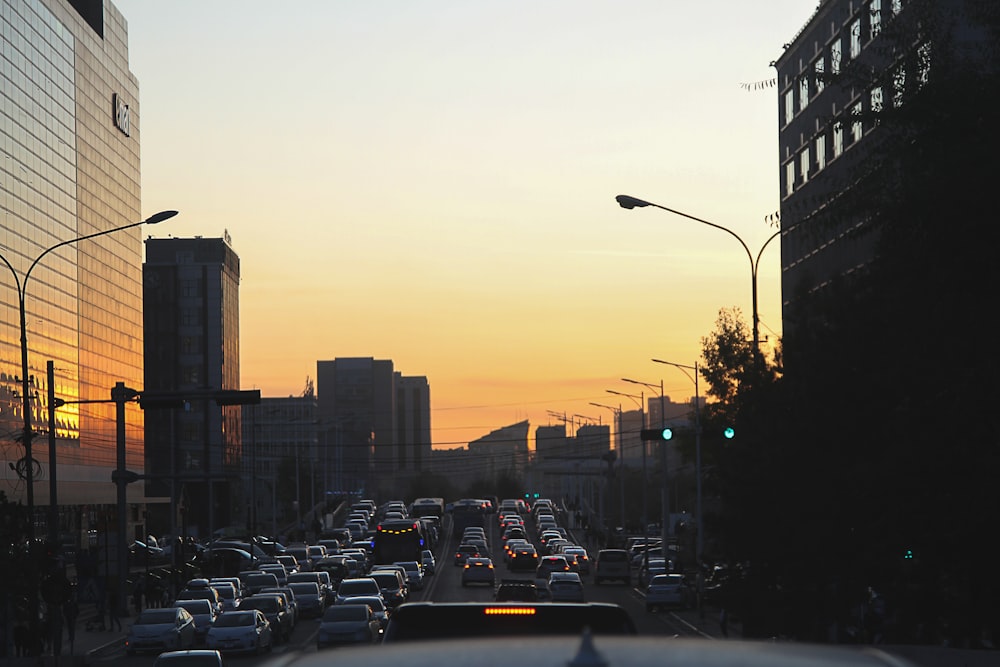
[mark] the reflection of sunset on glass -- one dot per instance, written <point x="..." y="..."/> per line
<point x="434" y="183"/>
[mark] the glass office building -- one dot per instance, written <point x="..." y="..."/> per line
<point x="69" y="167"/>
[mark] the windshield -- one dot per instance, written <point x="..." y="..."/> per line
<point x="233" y="619"/>
<point x="156" y="617"/>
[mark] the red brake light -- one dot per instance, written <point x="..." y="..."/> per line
<point x="509" y="611"/>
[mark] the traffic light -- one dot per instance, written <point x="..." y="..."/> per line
<point x="729" y="433"/>
<point x="665" y="433"/>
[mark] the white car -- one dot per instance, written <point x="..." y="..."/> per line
<point x="164" y="629"/>
<point x="666" y="590"/>
<point x="241" y="631"/>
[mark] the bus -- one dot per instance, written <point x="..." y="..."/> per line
<point x="422" y="507"/>
<point x="467" y="512"/>
<point x="398" y="540"/>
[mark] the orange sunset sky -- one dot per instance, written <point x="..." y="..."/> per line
<point x="433" y="182"/>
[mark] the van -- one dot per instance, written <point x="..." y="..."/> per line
<point x="613" y="564"/>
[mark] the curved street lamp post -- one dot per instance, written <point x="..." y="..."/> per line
<point x="628" y="202"/>
<point x="21" y="283"/>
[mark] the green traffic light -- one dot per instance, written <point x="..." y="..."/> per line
<point x="667" y="433"/>
<point x="729" y="433"/>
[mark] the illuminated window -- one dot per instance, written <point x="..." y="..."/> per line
<point x="855" y="39"/>
<point x="838" y="139"/>
<point x="876" y="99"/>
<point x="790" y="177"/>
<point x="821" y="151"/>
<point x="856" y="126"/>
<point x="875" y="9"/>
<point x="789" y="105"/>
<point x="818" y="67"/>
<point x="898" y="86"/>
<point x="803" y="92"/>
<point x="804" y="164"/>
<point x="835" y="56"/>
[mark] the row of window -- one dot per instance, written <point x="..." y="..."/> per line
<point x="828" y="145"/>
<point x="812" y="81"/>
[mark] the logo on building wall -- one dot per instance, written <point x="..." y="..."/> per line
<point x="121" y="114"/>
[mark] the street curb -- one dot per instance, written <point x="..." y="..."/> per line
<point x="104" y="650"/>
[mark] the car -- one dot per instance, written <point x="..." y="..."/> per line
<point x="195" y="657"/>
<point x="428" y="561"/>
<point x="290" y="601"/>
<point x="275" y="609"/>
<point x="649" y="570"/>
<point x="516" y="590"/>
<point x="278" y="570"/>
<point x="393" y="586"/>
<point x="478" y="570"/>
<point x="582" y="558"/>
<point x="465" y="551"/>
<point x="378" y="605"/>
<point x="321" y="578"/>
<point x="316" y="553"/>
<point x="200" y="589"/>
<point x="246" y="630"/>
<point x="301" y="553"/>
<point x="523" y="558"/>
<point x="546" y="566"/>
<point x="161" y="629"/>
<point x="289" y="561"/>
<point x="667" y="590"/>
<point x="357" y="586"/>
<point x="612" y="564"/>
<point x="414" y="574"/>
<point x="348" y="624"/>
<point x="309" y="598"/>
<point x="258" y="581"/>
<point x="204" y="614"/>
<point x="565" y="587"/>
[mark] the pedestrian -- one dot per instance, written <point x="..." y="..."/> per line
<point x="71" y="610"/>
<point x="113" y="612"/>
<point x="137" y="593"/>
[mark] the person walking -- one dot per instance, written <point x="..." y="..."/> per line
<point x="113" y="612"/>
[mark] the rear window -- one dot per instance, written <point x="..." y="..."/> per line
<point x="346" y="612"/>
<point x="613" y="556"/>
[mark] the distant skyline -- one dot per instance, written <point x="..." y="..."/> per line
<point x="433" y="183"/>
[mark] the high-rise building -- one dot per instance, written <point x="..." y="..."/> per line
<point x="378" y="424"/>
<point x="69" y="138"/>
<point x="192" y="345"/>
<point x="852" y="63"/>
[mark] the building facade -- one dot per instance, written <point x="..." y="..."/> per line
<point x="69" y="135"/>
<point x="192" y="346"/>
<point x="853" y="65"/>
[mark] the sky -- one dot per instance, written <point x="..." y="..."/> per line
<point x="433" y="182"/>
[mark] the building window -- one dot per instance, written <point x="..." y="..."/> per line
<point x="820" y="151"/>
<point x="789" y="105"/>
<point x="855" y="39"/>
<point x="790" y="177"/>
<point x="856" y="126"/>
<point x="876" y="99"/>
<point x="803" y="92"/>
<point x="190" y="287"/>
<point x="898" y="86"/>
<point x="897" y="6"/>
<point x="923" y="63"/>
<point x="875" y="24"/>
<point x="804" y="164"/>
<point x="190" y="316"/>
<point x="190" y="344"/>
<point x="838" y="139"/>
<point x="818" y="68"/>
<point x="191" y="375"/>
<point x="835" y="56"/>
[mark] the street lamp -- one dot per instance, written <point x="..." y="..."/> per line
<point x="621" y="455"/>
<point x="699" y="532"/>
<point x="625" y="201"/>
<point x="22" y="286"/>
<point x="640" y="401"/>
<point x="666" y="525"/>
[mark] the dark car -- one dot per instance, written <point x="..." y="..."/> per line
<point x="465" y="551"/>
<point x="516" y="590"/>
<point x="393" y="585"/>
<point x="275" y="610"/>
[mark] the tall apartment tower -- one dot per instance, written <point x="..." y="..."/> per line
<point x="69" y="167"/>
<point x="413" y="424"/>
<point x="192" y="328"/>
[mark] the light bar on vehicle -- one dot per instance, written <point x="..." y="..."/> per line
<point x="509" y="611"/>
